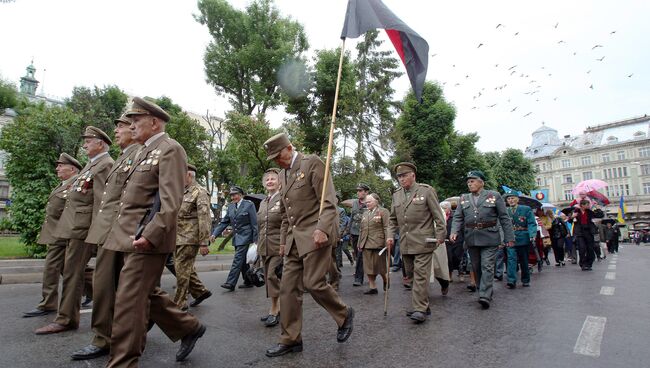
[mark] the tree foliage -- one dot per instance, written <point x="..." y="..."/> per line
<point x="8" y="95"/>
<point x="247" y="50"/>
<point x="512" y="169"/>
<point x="346" y="177"/>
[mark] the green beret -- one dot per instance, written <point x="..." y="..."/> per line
<point x="143" y="107"/>
<point x="94" y="132"/>
<point x="511" y="194"/>
<point x="475" y="174"/>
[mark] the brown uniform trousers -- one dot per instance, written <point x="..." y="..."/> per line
<point x="55" y="257"/>
<point x="108" y="263"/>
<point x="306" y="266"/>
<point x="194" y="226"/>
<point x="159" y="167"/>
<point x="269" y="222"/>
<point x="418" y="216"/>
<point x="81" y="205"/>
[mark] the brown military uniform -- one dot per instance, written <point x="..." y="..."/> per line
<point x="417" y="215"/>
<point x="269" y="221"/>
<point x="81" y="206"/>
<point x="194" y="225"/>
<point x="158" y="168"/>
<point x="55" y="257"/>
<point x="306" y="265"/>
<point x="108" y="263"/>
<point x="373" y="232"/>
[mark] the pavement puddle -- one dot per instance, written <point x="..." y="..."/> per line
<point x="591" y="336"/>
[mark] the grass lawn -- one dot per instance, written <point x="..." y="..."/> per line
<point x="228" y="249"/>
<point x="11" y="247"/>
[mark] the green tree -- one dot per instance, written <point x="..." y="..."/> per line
<point x="8" y="95"/>
<point x="34" y="141"/>
<point x="512" y="169"/>
<point x="247" y="50"/>
<point x="346" y="177"/>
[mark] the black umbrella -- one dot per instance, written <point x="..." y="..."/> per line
<point x="608" y="221"/>
<point x="568" y="211"/>
<point x="256" y="199"/>
<point x="530" y="202"/>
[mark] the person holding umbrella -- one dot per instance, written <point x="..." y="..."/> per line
<point x="584" y="230"/>
<point x="525" y="229"/>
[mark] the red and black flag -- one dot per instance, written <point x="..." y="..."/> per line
<point x="364" y="15"/>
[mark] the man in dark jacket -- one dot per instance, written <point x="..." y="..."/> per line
<point x="584" y="230"/>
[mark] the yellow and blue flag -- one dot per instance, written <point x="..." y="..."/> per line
<point x="622" y="208"/>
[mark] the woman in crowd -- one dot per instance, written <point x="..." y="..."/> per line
<point x="268" y="222"/>
<point x="373" y="233"/>
<point x="558" y="234"/>
<point x="547" y="221"/>
<point x="454" y="249"/>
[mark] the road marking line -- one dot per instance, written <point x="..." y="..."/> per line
<point x="611" y="267"/>
<point x="612" y="262"/>
<point x="607" y="290"/>
<point x="86" y="311"/>
<point x="591" y="336"/>
<point x="610" y="276"/>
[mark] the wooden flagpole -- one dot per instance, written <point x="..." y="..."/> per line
<point x="331" y="139"/>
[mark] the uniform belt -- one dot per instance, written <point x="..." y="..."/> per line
<point x="481" y="225"/>
<point x="521" y="228"/>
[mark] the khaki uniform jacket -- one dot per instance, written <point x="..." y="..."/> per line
<point x="53" y="211"/>
<point x="417" y="219"/>
<point x="269" y="221"/>
<point x="83" y="199"/>
<point x="373" y="230"/>
<point x="110" y="201"/>
<point x="160" y="167"/>
<point x="194" y="222"/>
<point x="301" y="193"/>
<point x="489" y="208"/>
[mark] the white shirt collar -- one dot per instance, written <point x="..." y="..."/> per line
<point x="99" y="156"/>
<point x="153" y="138"/>
<point x="293" y="159"/>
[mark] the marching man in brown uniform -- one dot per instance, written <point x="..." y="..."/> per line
<point x="269" y="221"/>
<point x="194" y="225"/>
<point x="155" y="176"/>
<point x="66" y="169"/>
<point x="418" y="216"/>
<point x="81" y="206"/>
<point x="305" y="240"/>
<point x="108" y="264"/>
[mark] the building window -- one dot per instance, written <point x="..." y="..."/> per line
<point x="627" y="189"/>
<point x="625" y="171"/>
<point x="539" y="182"/>
<point x="645" y="169"/>
<point x="620" y="155"/>
<point x="605" y="157"/>
<point x="4" y="191"/>
<point x="568" y="194"/>
<point x="566" y="163"/>
<point x="586" y="160"/>
<point x="587" y="175"/>
<point x="536" y="167"/>
<point x="567" y="179"/>
<point x="544" y="166"/>
<point x="646" y="188"/>
<point x="644" y="152"/>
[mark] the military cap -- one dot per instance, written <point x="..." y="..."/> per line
<point x="362" y="186"/>
<point x="122" y="119"/>
<point x="94" y="132"/>
<point x="510" y="194"/>
<point x="475" y="174"/>
<point x="141" y="106"/>
<point x="66" y="159"/>
<point x="236" y="190"/>
<point x="375" y="196"/>
<point x="191" y="167"/>
<point x="404" y="167"/>
<point x="275" y="144"/>
<point x="272" y="170"/>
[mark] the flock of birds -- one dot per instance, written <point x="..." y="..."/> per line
<point x="533" y="86"/>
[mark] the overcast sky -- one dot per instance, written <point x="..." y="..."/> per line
<point x="155" y="48"/>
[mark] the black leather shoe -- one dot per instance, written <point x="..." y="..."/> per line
<point x="281" y="349"/>
<point x="356" y="283"/>
<point x="188" y="342"/>
<point x="371" y="292"/>
<point x="428" y="312"/>
<point x="263" y="319"/>
<point x="228" y="287"/>
<point x="37" y="313"/>
<point x="345" y="331"/>
<point x="89" y="352"/>
<point x="510" y="285"/>
<point x="499" y="278"/>
<point x="484" y="303"/>
<point x="245" y="286"/>
<point x="201" y="298"/>
<point x="418" y="317"/>
<point x="272" y="320"/>
<point x="87" y="302"/>
<point x="471" y="288"/>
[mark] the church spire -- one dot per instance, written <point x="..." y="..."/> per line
<point x="28" y="83"/>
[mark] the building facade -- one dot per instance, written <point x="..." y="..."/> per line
<point x="617" y="153"/>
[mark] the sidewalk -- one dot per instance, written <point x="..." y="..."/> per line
<point x="27" y="271"/>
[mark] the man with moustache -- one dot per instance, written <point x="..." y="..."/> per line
<point x="81" y="206"/>
<point x="108" y="263"/>
<point x="66" y="169"/>
<point x="156" y="176"/>
<point x="306" y="235"/>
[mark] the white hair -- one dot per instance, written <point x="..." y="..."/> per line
<point x="445" y="204"/>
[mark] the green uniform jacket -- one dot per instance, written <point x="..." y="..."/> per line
<point x="194" y="222"/>
<point x="489" y="208"/>
<point x="524" y="224"/>
<point x="417" y="219"/>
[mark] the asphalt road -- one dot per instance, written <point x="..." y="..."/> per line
<point x="562" y="320"/>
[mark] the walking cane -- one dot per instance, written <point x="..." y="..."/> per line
<point x="387" y="280"/>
